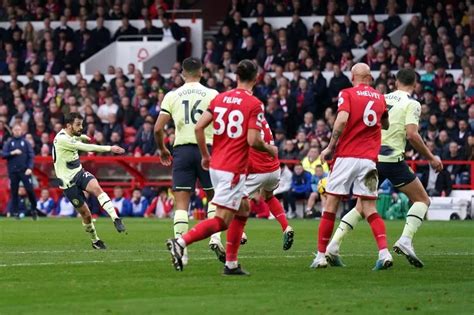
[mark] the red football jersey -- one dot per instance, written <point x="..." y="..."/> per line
<point x="362" y="135"/>
<point x="234" y="112"/>
<point x="261" y="162"/>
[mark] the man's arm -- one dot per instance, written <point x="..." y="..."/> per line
<point x="339" y="125"/>
<point x="199" y="129"/>
<point x="72" y="144"/>
<point x="385" y="122"/>
<point x="5" y="152"/>
<point x="417" y="142"/>
<point x="162" y="120"/>
<point x="254" y="139"/>
<point x="30" y="154"/>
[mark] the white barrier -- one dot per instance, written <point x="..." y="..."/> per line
<point x="326" y="74"/>
<point x="143" y="54"/>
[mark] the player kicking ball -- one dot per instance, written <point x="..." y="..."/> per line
<point x="185" y="105"/>
<point x="404" y="117"/>
<point x="74" y="180"/>
<point x="355" y="141"/>
<point x="236" y="117"/>
<point x="264" y="175"/>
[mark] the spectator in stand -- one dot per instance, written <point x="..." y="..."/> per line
<point x="139" y="203"/>
<point x="45" y="204"/>
<point x="319" y="174"/>
<point x="145" y="144"/>
<point x="161" y="206"/>
<point x="65" y="208"/>
<point x="300" y="188"/>
<point x="106" y="110"/>
<point x="122" y="205"/>
<point x="437" y="184"/>
<point x="311" y="160"/>
<point x="125" y="29"/>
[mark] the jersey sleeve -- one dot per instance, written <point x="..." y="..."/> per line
<point x="413" y="112"/>
<point x="166" y="104"/>
<point x="74" y="144"/>
<point x="256" y="117"/>
<point x="343" y="102"/>
<point x="212" y="106"/>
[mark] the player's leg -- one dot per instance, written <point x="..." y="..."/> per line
<point x="418" y="196"/>
<point x="377" y="225"/>
<point x="229" y="192"/>
<point x="338" y="185"/>
<point x="91" y="185"/>
<point x="347" y="224"/>
<point x="26" y="180"/>
<point x="326" y="227"/>
<point x="365" y="187"/>
<point x="270" y="184"/>
<point x="77" y="198"/>
<point x="234" y="236"/>
<point x="215" y="243"/>
<point x="15" y="202"/>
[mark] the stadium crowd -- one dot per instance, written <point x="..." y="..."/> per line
<point x="301" y="111"/>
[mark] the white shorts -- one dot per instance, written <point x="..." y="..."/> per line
<point x="229" y="189"/>
<point x="362" y="173"/>
<point x="267" y="181"/>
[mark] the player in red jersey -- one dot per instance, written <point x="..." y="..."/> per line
<point x="355" y="141"/>
<point x="237" y="118"/>
<point x="264" y="174"/>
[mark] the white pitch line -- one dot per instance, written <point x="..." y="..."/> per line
<point x="86" y="262"/>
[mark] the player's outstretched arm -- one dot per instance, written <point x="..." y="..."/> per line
<point x="73" y="144"/>
<point x="339" y="126"/>
<point x="165" y="154"/>
<point x="201" y="125"/>
<point x="417" y="142"/>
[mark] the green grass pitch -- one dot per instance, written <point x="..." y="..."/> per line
<point x="48" y="267"/>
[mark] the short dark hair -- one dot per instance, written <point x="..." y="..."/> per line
<point x="192" y="65"/>
<point x="69" y="118"/>
<point x="246" y="71"/>
<point x="406" y="76"/>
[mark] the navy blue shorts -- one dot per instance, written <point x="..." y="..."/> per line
<point x="398" y="173"/>
<point x="75" y="193"/>
<point x="187" y="169"/>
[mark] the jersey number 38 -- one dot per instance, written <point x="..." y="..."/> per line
<point x="235" y="119"/>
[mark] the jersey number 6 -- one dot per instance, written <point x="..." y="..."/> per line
<point x="370" y="116"/>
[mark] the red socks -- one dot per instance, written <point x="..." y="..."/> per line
<point x="234" y="234"/>
<point x="277" y="210"/>
<point x="378" y="229"/>
<point x="203" y="230"/>
<point x="325" y="230"/>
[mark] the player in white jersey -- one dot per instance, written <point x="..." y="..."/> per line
<point x="404" y="115"/>
<point x="185" y="106"/>
<point x="74" y="180"/>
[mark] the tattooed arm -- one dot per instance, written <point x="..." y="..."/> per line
<point x="339" y="126"/>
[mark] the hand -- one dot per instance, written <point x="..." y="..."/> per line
<point x="273" y="151"/>
<point x="16" y="152"/>
<point x="436" y="164"/>
<point x="325" y="155"/>
<point x="165" y="157"/>
<point x="28" y="172"/>
<point x="117" y="150"/>
<point x="85" y="138"/>
<point x="205" y="161"/>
